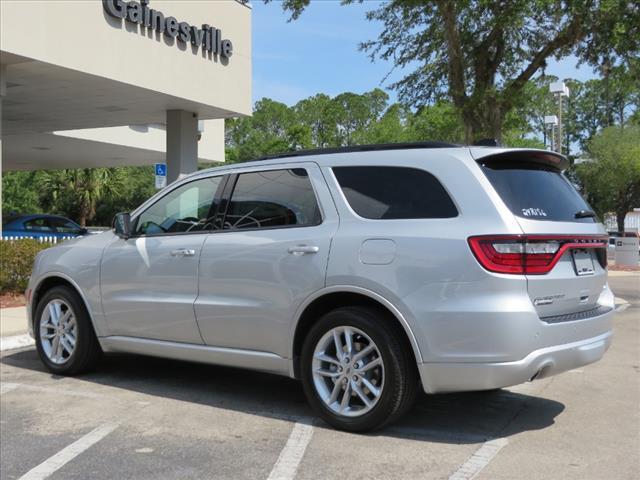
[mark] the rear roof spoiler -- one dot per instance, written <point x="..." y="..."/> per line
<point x="543" y="157"/>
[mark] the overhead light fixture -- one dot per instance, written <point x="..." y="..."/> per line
<point x="139" y="128"/>
<point x="559" y="88"/>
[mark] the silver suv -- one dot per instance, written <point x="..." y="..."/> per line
<point x="366" y="272"/>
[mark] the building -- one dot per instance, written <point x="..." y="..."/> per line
<point x="100" y="83"/>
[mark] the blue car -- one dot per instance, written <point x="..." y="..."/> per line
<point x="41" y="226"/>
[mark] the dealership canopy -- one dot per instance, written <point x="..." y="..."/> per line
<point x="93" y="84"/>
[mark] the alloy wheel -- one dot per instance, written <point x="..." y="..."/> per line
<point x="348" y="371"/>
<point x="58" y="331"/>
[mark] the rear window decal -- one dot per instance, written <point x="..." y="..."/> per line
<point x="534" y="212"/>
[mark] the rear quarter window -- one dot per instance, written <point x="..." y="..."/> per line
<point x="391" y="193"/>
<point x="536" y="192"/>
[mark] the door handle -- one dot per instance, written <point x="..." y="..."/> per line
<point x="303" y="249"/>
<point x="183" y="252"/>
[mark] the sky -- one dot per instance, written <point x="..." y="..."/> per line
<point x="318" y="53"/>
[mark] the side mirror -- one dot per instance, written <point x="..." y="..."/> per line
<point x="122" y="225"/>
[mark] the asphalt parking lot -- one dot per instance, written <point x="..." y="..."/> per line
<point x="144" y="418"/>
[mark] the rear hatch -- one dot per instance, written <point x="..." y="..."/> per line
<point x="563" y="247"/>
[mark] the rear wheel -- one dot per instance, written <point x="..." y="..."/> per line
<point x="357" y="369"/>
<point x="65" y="339"/>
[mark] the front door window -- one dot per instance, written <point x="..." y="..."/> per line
<point x="188" y="208"/>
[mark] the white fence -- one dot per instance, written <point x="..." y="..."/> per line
<point x="631" y="221"/>
<point x="46" y="239"/>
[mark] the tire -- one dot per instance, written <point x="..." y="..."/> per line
<point x="394" y="375"/>
<point x="86" y="350"/>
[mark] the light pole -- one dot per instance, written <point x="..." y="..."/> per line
<point x="550" y="124"/>
<point x="559" y="91"/>
<point x="606" y="71"/>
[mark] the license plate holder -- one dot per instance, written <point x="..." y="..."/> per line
<point x="582" y="262"/>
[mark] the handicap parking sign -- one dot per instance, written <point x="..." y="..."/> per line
<point x="161" y="175"/>
<point x="161" y="169"/>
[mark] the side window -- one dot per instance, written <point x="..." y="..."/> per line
<point x="188" y="208"/>
<point x="64" y="226"/>
<point x="273" y="198"/>
<point x="38" y="225"/>
<point x="386" y="193"/>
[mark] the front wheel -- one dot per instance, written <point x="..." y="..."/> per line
<point x="357" y="369"/>
<point x="65" y="339"/>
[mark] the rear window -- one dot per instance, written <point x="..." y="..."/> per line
<point x="537" y="192"/>
<point x="386" y="193"/>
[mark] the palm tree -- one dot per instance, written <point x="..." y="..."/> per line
<point x="80" y="190"/>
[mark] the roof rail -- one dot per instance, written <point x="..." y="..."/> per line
<point x="359" y="148"/>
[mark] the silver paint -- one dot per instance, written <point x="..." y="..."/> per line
<point x="237" y="296"/>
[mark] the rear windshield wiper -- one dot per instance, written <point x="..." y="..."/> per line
<point x="585" y="214"/>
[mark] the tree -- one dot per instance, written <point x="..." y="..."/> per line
<point x="611" y="180"/>
<point x="439" y="121"/>
<point x="272" y="129"/>
<point x="602" y="102"/>
<point x="392" y="127"/>
<point x="319" y="121"/>
<point x="621" y="87"/>
<point x="355" y="114"/>
<point x="318" y="113"/>
<point x="78" y="191"/>
<point x="136" y="187"/>
<point x="20" y="193"/>
<point x="102" y="193"/>
<point x="481" y="54"/>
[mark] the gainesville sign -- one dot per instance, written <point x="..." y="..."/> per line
<point x="206" y="37"/>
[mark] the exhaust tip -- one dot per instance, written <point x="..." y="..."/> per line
<point x="540" y="373"/>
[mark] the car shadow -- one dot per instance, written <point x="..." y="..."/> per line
<point x="461" y="418"/>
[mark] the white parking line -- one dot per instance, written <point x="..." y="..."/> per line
<point x="292" y="453"/>
<point x="52" y="464"/>
<point x="479" y="459"/>
<point x="15" y="341"/>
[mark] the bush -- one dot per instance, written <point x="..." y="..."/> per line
<point x="16" y="260"/>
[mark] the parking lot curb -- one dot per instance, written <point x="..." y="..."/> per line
<point x="623" y="273"/>
<point x="15" y="341"/>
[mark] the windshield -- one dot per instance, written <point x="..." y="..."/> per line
<point x="537" y="192"/>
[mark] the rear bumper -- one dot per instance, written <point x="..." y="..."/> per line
<point x="458" y="377"/>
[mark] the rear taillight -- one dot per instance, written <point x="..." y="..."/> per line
<point x="530" y="254"/>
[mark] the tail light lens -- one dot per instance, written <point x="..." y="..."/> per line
<point x="530" y="254"/>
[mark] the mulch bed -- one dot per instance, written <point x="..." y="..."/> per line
<point x="624" y="268"/>
<point x="8" y="300"/>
